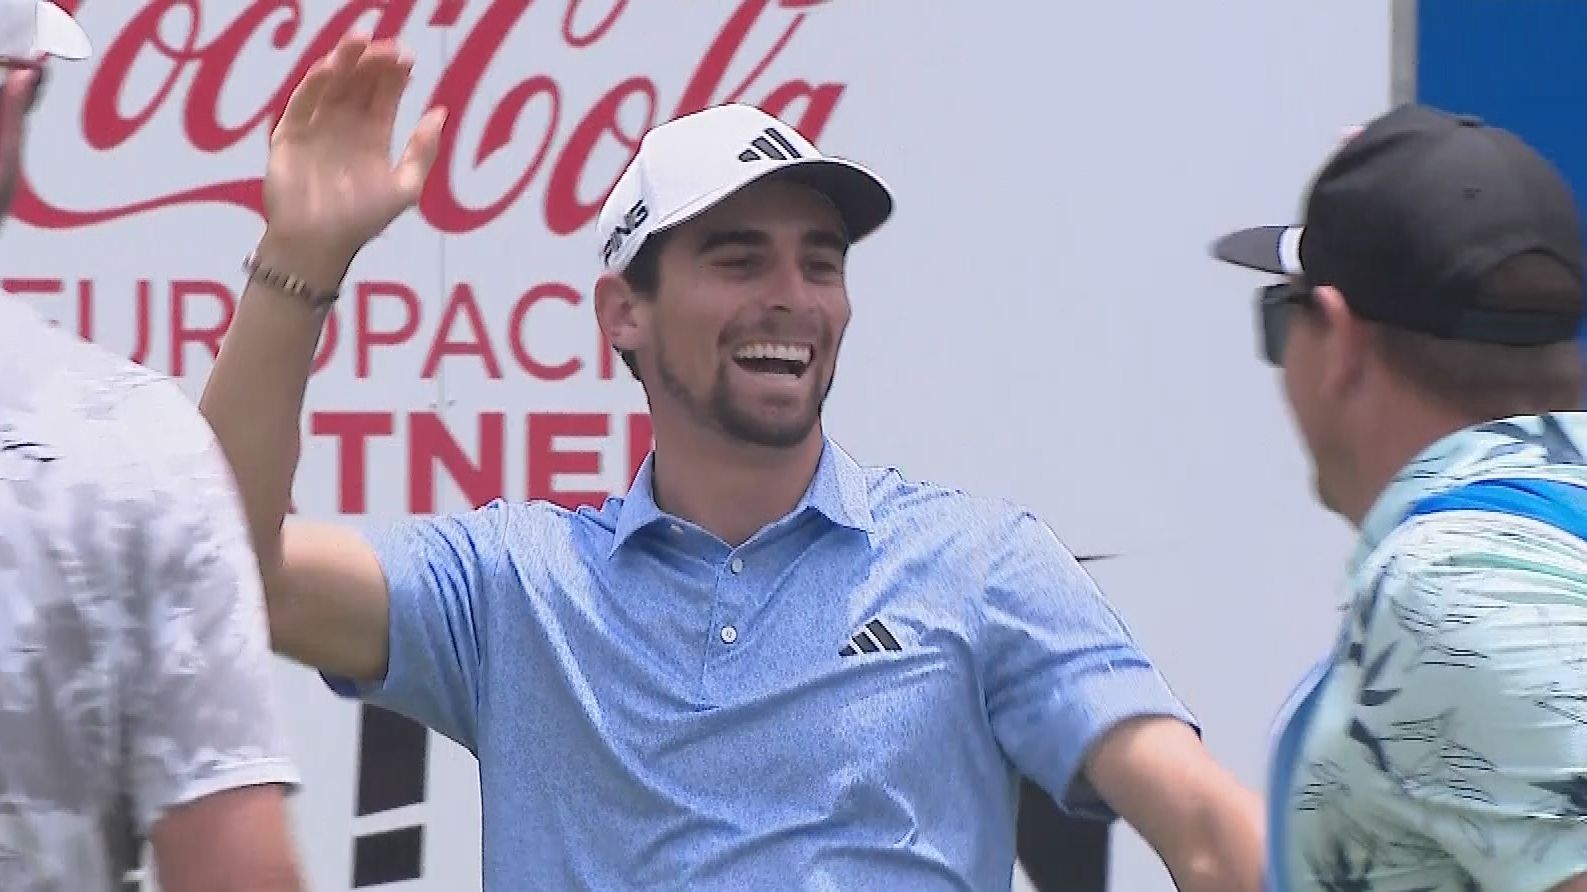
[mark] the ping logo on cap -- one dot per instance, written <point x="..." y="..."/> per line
<point x="636" y="217"/>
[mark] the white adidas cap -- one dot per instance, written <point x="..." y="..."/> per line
<point x="31" y="27"/>
<point x="690" y="164"/>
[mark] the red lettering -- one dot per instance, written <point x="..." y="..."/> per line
<point x="460" y="84"/>
<point x="51" y="287"/>
<point x="565" y="212"/>
<point x="353" y="430"/>
<point x="207" y="336"/>
<point x="104" y="127"/>
<point x="820" y="103"/>
<point x="462" y="303"/>
<point x="546" y="461"/>
<point x="43" y="287"/>
<point x="365" y="336"/>
<point x="201" y="115"/>
<point x="520" y="310"/>
<point x="143" y="300"/>
<point x="639" y="443"/>
<point x="713" y="67"/>
<point x="580" y="41"/>
<point x="429" y="443"/>
<point x="174" y="53"/>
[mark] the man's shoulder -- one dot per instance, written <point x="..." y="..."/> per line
<point x="911" y="506"/>
<point x="1464" y="574"/>
<point x="896" y="493"/>
<point x="1510" y="523"/>
<point x="81" y="420"/>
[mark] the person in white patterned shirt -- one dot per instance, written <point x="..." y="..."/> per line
<point x="1427" y="325"/>
<point x="136" y="697"/>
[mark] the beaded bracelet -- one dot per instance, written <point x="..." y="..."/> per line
<point x="292" y="285"/>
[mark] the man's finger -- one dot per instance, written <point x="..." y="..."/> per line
<point x="303" y="102"/>
<point x="419" y="156"/>
<point x="343" y="65"/>
<point x="387" y="95"/>
<point x="371" y="70"/>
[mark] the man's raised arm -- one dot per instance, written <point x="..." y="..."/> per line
<point x="329" y="188"/>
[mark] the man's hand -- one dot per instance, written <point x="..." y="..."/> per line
<point x="1208" y="829"/>
<point x="329" y="188"/>
<point x="330" y="185"/>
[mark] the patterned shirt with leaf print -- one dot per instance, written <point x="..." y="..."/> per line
<point x="1442" y="744"/>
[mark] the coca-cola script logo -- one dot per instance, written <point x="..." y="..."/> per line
<point x="565" y="147"/>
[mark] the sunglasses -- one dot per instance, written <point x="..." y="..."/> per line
<point x="1276" y="305"/>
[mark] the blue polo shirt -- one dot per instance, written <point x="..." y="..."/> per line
<point x="846" y="700"/>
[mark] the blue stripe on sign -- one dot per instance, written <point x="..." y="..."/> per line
<point x="1517" y="64"/>
<point x="1562" y="505"/>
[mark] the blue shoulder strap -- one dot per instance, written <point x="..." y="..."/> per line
<point x="1562" y="505"/>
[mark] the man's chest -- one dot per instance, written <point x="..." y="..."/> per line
<point x="820" y="688"/>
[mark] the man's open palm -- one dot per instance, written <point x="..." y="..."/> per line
<point x="330" y="181"/>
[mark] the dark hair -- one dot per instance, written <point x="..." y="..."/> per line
<point x="643" y="276"/>
<point x="1488" y="381"/>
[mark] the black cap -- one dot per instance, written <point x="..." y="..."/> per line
<point x="1409" y="216"/>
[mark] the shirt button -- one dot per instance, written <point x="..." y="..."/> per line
<point x="737" y="566"/>
<point x="729" y="634"/>
<point x="677" y="529"/>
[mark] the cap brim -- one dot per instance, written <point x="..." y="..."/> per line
<point x="1273" y="249"/>
<point x="862" y="199"/>
<point x="59" y="34"/>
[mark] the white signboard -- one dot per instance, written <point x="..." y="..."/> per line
<point x="1038" y="321"/>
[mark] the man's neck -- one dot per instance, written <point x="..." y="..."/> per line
<point x="731" y="490"/>
<point x="1392" y="448"/>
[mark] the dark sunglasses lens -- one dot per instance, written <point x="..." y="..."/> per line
<point x="1274" y="310"/>
<point x="1277" y="331"/>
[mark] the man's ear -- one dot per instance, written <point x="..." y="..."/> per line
<point x="1345" y="341"/>
<point x="619" y="313"/>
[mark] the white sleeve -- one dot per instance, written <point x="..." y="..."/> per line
<point x="201" y="710"/>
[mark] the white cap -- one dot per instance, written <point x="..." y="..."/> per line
<point x="690" y="164"/>
<point x="31" y="27"/>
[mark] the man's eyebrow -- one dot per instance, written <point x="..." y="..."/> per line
<point x="755" y="238"/>
<point x="743" y="238"/>
<point x="827" y="238"/>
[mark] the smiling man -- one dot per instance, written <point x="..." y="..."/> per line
<point x="765" y="666"/>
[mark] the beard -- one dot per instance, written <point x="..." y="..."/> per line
<point x="732" y="413"/>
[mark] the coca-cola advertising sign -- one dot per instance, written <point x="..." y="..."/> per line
<point x="547" y="102"/>
<point x="463" y="362"/>
<point x="195" y="63"/>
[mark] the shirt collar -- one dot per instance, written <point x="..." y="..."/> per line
<point x="1481" y="450"/>
<point x="838" y="491"/>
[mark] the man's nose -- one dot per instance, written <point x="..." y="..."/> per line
<point x="788" y="288"/>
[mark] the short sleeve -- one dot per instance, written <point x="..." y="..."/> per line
<point x="201" y="713"/>
<point x="1474" y="666"/>
<point x="437" y="569"/>
<point x="1061" y="668"/>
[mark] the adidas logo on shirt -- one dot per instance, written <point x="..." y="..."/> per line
<point x="874" y="637"/>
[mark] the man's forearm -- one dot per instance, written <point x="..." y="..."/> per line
<point x="254" y="396"/>
<point x="1228" y="854"/>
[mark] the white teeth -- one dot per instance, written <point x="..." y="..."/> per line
<point x="786" y="352"/>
